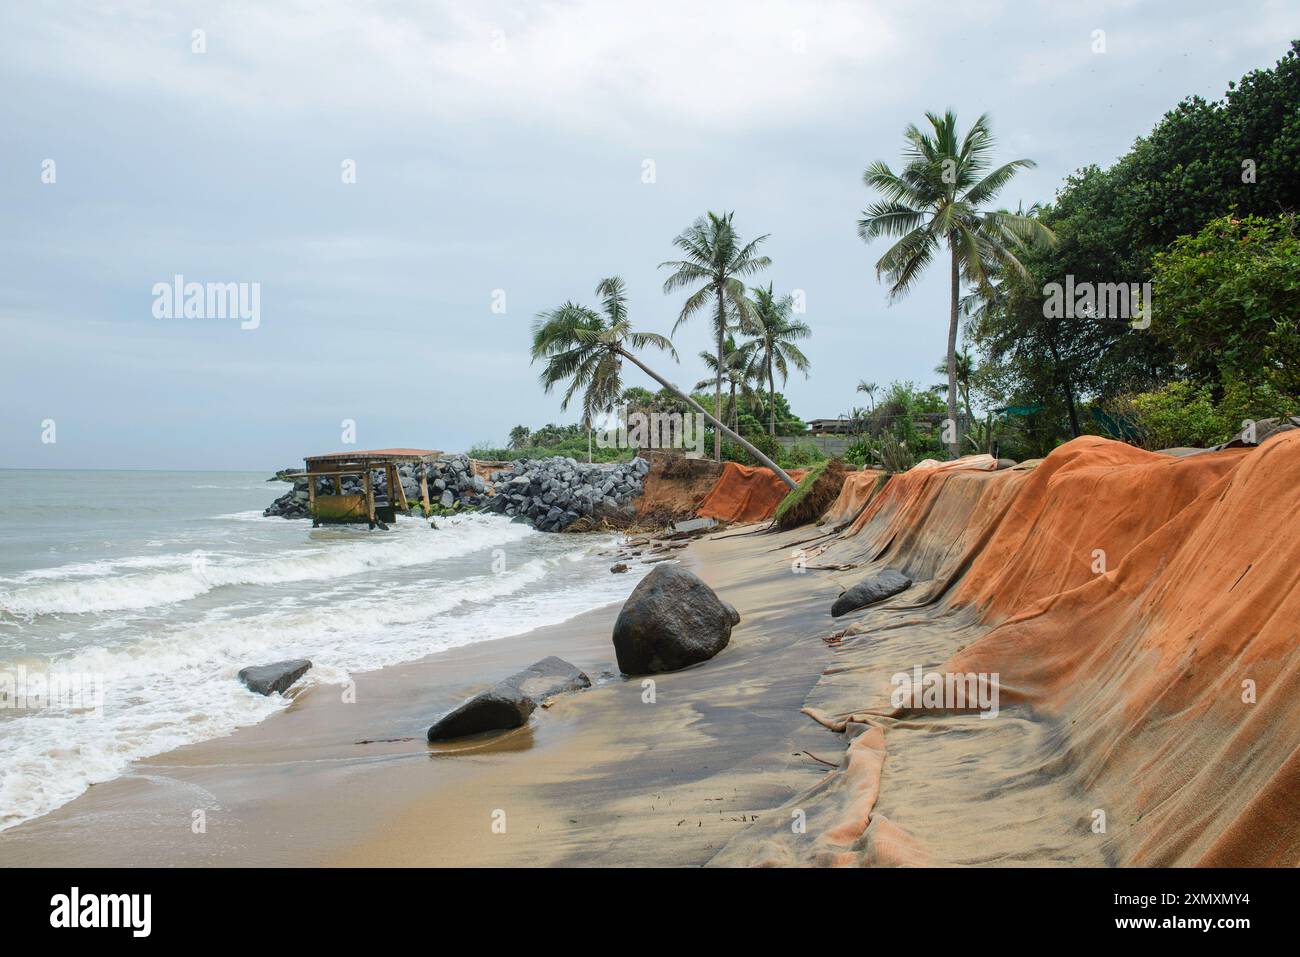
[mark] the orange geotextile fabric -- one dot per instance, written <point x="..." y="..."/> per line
<point x="1085" y="507"/>
<point x="1152" y="663"/>
<point x="857" y="490"/>
<point x="744" y="493"/>
<point x="981" y="462"/>
<point x="1144" y="605"/>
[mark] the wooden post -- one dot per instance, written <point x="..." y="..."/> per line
<point x="370" y="499"/>
<point x="395" y="482"/>
<point x="424" y="486"/>
<point x="311" y="499"/>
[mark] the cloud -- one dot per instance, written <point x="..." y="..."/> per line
<point x="730" y="64"/>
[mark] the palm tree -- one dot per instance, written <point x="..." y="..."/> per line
<point x="936" y="200"/>
<point x="965" y="368"/>
<point x="587" y="348"/>
<point x="870" y="389"/>
<point x="773" y="349"/>
<point x="519" y="437"/>
<point x="715" y="260"/>
<point x="735" y="371"/>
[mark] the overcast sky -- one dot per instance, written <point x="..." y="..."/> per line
<point x="497" y="146"/>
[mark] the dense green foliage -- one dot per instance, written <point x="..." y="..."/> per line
<point x="1227" y="302"/>
<point x="1227" y="161"/>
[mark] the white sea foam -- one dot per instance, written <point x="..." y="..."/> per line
<point x="404" y="547"/>
<point x="174" y="682"/>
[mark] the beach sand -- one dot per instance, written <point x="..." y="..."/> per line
<point x="602" y="777"/>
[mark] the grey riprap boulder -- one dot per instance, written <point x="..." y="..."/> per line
<point x="276" y="677"/>
<point x="671" y="620"/>
<point x="878" y="587"/>
<point x="509" y="702"/>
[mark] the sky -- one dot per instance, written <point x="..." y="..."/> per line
<point x="506" y="158"/>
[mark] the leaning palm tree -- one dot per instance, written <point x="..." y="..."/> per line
<point x="715" y="261"/>
<point x="772" y="350"/>
<point x="587" y="349"/>
<point x="935" y="201"/>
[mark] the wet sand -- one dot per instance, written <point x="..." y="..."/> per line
<point x="603" y="777"/>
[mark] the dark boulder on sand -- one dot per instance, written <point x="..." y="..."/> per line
<point x="499" y="708"/>
<point x="277" y="677"/>
<point x="671" y="620"/>
<point x="509" y="702"/>
<point x="547" y="678"/>
<point x="878" y="587"/>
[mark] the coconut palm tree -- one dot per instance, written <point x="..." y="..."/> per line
<point x="772" y="350"/>
<point x="965" y="368"/>
<point x="870" y="389"/>
<point x="935" y="201"/>
<point x="715" y="260"/>
<point x="519" y="437"/>
<point x="587" y="349"/>
<point x="735" y="371"/>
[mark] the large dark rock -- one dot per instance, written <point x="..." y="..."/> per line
<point x="878" y="587"/>
<point x="671" y="620"/>
<point x="547" y="678"/>
<point x="499" y="708"/>
<point x="277" y="677"/>
<point x="509" y="702"/>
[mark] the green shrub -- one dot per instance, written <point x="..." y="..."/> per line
<point x="1177" y="414"/>
<point x="893" y="455"/>
<point x="818" y="488"/>
<point x="801" y="455"/>
<point x="860" y="453"/>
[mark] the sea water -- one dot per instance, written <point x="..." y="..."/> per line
<point x="157" y="587"/>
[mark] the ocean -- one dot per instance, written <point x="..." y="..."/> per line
<point x="141" y="594"/>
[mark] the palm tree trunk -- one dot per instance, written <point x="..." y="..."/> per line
<point x="717" y="388"/>
<point x="771" y="397"/>
<point x="954" y="447"/>
<point x="735" y="416"/>
<point x="717" y="425"/>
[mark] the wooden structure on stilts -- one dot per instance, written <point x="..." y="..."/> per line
<point x="364" y="507"/>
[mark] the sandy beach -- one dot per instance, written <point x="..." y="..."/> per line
<point x="789" y="747"/>
<point x="600" y="777"/>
